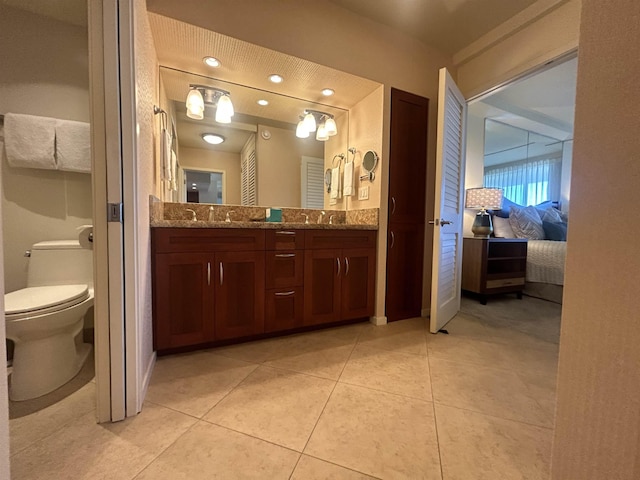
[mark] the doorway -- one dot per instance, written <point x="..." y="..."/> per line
<point x="205" y="186"/>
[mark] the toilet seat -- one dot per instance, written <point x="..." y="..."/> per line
<point x="33" y="301"/>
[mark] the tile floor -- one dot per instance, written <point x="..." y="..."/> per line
<point x="353" y="402"/>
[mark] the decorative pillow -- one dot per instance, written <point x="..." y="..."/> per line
<point x="526" y="223"/>
<point x="506" y="208"/>
<point x="502" y="228"/>
<point x="551" y="215"/>
<point x="555" y="231"/>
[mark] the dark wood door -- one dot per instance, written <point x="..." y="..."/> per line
<point x="183" y="300"/>
<point x="358" y="283"/>
<point x="239" y="286"/>
<point x="322" y="269"/>
<point x="407" y="189"/>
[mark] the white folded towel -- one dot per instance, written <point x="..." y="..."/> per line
<point x="347" y="188"/>
<point x="73" y="146"/>
<point x="30" y="141"/>
<point x="335" y="182"/>
<point x="165" y="154"/>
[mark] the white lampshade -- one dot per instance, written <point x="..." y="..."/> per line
<point x="321" y="134"/>
<point x="195" y="104"/>
<point x="301" y="130"/>
<point x="330" y="127"/>
<point x="310" y="122"/>
<point x="224" y="110"/>
<point x="484" y="198"/>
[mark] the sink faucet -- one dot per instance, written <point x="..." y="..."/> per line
<point x="321" y="216"/>
<point x="306" y="218"/>
<point x="193" y="214"/>
<point x="228" y="217"/>
<point x="331" y="219"/>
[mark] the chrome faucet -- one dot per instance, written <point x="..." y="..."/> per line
<point x="321" y="216"/>
<point x="212" y="217"/>
<point x="331" y="219"/>
<point x="306" y="218"/>
<point x="228" y="217"/>
<point x="193" y="214"/>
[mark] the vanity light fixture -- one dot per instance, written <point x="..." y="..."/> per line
<point x="263" y="102"/>
<point x="211" y="61"/>
<point x="331" y="127"/>
<point x="327" y="92"/>
<point x="213" y="138"/>
<point x="320" y="122"/>
<point x="309" y="121"/>
<point x="199" y="95"/>
<point x="301" y="129"/>
<point x="321" y="134"/>
<point x="275" y="78"/>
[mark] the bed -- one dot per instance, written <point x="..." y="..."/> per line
<point x="545" y="269"/>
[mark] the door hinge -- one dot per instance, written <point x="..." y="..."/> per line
<point x="114" y="212"/>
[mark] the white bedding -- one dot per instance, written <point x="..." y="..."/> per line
<point x="545" y="261"/>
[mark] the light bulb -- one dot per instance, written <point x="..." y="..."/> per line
<point x="310" y="122"/>
<point x="330" y="126"/>
<point x="195" y="104"/>
<point x="301" y="131"/>
<point x="321" y="134"/>
<point x="224" y="110"/>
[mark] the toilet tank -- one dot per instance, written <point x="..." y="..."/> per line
<point x="60" y="262"/>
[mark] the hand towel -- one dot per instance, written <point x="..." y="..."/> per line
<point x="73" y="146"/>
<point x="335" y="182"/>
<point x="347" y="187"/>
<point x="165" y="154"/>
<point x="30" y="141"/>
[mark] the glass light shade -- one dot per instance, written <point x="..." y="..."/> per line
<point x="310" y="122"/>
<point x="330" y="127"/>
<point x="225" y="106"/>
<point x="321" y="134"/>
<point x="301" y="131"/>
<point x="195" y="104"/>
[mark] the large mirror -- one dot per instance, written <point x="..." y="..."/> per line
<point x="257" y="158"/>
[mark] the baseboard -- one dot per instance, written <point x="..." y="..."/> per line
<point x="378" y="320"/>
<point x="425" y="312"/>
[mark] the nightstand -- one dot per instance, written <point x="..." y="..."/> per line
<point x="494" y="265"/>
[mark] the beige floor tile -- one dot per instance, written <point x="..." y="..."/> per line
<point x="463" y="349"/>
<point x="541" y="360"/>
<point x="407" y="336"/>
<point x="253" y="352"/>
<point x="480" y="447"/>
<point x="193" y="383"/>
<point x="377" y="433"/>
<point x="320" y="355"/>
<point x="543" y="389"/>
<point x="493" y="391"/>
<point x="24" y="431"/>
<point x="208" y="452"/>
<point x="86" y="450"/>
<point x="310" y="468"/>
<point x="348" y="334"/>
<point x="275" y="405"/>
<point x="393" y="372"/>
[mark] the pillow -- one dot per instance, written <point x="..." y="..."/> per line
<point x="502" y="228"/>
<point x="526" y="223"/>
<point x="506" y="208"/>
<point x="551" y="215"/>
<point x="555" y="231"/>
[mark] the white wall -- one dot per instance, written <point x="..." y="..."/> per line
<point x="44" y="71"/>
<point x="565" y="181"/>
<point x="474" y="169"/>
<point x="4" y="393"/>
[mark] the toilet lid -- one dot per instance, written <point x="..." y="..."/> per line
<point x="38" y="298"/>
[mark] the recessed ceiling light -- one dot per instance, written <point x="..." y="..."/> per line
<point x="327" y="92"/>
<point x="211" y="61"/>
<point x="193" y="184"/>
<point x="263" y="102"/>
<point x="194" y="188"/>
<point x="275" y="78"/>
<point x="213" y="138"/>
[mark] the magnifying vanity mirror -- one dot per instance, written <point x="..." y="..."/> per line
<point x="369" y="164"/>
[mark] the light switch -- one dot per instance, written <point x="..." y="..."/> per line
<point x="363" y="193"/>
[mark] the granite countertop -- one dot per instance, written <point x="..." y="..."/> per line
<point x="261" y="225"/>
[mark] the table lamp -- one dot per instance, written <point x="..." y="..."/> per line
<point x="483" y="198"/>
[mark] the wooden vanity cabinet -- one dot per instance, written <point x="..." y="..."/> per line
<point x="339" y="275"/>
<point x="207" y="285"/>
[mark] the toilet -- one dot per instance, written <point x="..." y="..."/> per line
<point x="45" y="320"/>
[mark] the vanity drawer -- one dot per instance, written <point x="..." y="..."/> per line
<point x="284" y="239"/>
<point x="320" y="239"/>
<point x="169" y="240"/>
<point x="284" y="268"/>
<point x="284" y="309"/>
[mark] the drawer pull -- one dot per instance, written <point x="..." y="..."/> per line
<point x="221" y="274"/>
<point x="346" y="263"/>
<point x="284" y="294"/>
<point x="208" y="273"/>
<point x="285" y="255"/>
<point x="338" y="261"/>
<point x="285" y="233"/>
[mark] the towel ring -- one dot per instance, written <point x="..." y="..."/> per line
<point x="340" y="156"/>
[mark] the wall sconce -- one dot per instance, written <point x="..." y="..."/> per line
<point x="483" y="198"/>
<point x="314" y="121"/>
<point x="201" y="95"/>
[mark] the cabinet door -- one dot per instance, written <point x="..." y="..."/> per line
<point x="184" y="298"/>
<point x="405" y="251"/>
<point x="239" y="285"/>
<point x="322" y="270"/>
<point x="358" y="283"/>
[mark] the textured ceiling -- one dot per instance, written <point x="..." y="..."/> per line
<point x="448" y="25"/>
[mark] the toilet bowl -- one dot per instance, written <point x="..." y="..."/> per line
<point x="45" y="320"/>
